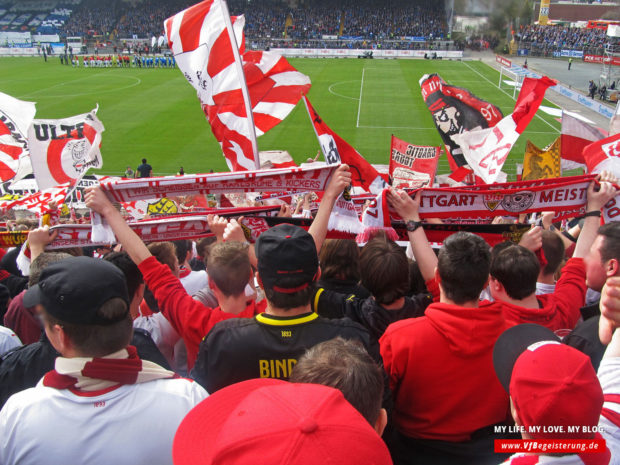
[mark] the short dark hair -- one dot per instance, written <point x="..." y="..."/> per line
<point x="463" y="266"/>
<point x="554" y="250"/>
<point x="344" y="365"/>
<point x="164" y="252"/>
<point x="99" y="340"/>
<point x="385" y="270"/>
<point x="133" y="276"/>
<point x="340" y="259"/>
<point x="611" y="241"/>
<point x="286" y="301"/>
<point x="182" y="247"/>
<point x="41" y="262"/>
<point x="144" y="160"/>
<point x="229" y="267"/>
<point x="516" y="268"/>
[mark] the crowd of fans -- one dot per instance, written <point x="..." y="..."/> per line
<point x="551" y="38"/>
<point x="307" y="350"/>
<point x="270" y="18"/>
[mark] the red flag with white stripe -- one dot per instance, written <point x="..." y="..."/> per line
<point x="576" y="136"/>
<point x="15" y="118"/>
<point x="204" y="51"/>
<point x="336" y="150"/>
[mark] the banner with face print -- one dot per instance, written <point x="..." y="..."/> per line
<point x="63" y="150"/>
<point x="454" y="111"/>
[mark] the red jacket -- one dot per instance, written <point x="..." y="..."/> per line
<point x="441" y="372"/>
<point x="190" y="318"/>
<point x="559" y="310"/>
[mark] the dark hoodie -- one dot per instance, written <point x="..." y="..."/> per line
<point x="367" y="312"/>
<point x="441" y="372"/>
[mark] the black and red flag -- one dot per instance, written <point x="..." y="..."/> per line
<point x="454" y="111"/>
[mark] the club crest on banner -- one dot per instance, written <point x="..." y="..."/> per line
<point x="492" y="201"/>
<point x="518" y="202"/>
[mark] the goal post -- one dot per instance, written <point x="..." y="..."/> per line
<point x="511" y="78"/>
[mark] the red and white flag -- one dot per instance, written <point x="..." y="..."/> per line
<point x="604" y="155"/>
<point x="411" y="165"/>
<point x="63" y="150"/>
<point x="209" y="55"/>
<point x="486" y="150"/>
<point x="614" y="124"/>
<point x="15" y="118"/>
<point x="576" y="136"/>
<point x="336" y="150"/>
<point x="39" y="202"/>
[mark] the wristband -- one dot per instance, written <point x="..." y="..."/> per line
<point x="413" y="225"/>
<point x="596" y="213"/>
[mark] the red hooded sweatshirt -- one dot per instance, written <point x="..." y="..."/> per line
<point x="441" y="372"/>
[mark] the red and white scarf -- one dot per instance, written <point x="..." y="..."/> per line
<point x="96" y="374"/>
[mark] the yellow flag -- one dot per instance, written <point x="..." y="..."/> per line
<point x="543" y="14"/>
<point x="542" y="164"/>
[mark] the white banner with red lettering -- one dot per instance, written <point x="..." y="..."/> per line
<point x="565" y="196"/>
<point x="293" y="180"/>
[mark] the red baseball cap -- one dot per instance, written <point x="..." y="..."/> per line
<point x="276" y="422"/>
<point x="552" y="386"/>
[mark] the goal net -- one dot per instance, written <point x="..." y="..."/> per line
<point x="511" y="78"/>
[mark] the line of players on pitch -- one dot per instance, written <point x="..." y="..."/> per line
<point x="123" y="61"/>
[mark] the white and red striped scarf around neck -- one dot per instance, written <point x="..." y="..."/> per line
<point x="95" y="374"/>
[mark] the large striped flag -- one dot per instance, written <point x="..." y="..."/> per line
<point x="243" y="94"/>
<point x="15" y="118"/>
<point x="576" y="136"/>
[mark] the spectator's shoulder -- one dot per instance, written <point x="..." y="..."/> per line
<point x="406" y="325"/>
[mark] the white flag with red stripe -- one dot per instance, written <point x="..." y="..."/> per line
<point x="63" y="150"/>
<point x="604" y="155"/>
<point x="576" y="136"/>
<point x="486" y="150"/>
<point x="39" y="202"/>
<point x="15" y="118"/>
<point x="203" y="49"/>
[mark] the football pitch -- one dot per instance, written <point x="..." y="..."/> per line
<point x="155" y="114"/>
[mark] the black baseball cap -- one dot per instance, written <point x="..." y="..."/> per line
<point x="512" y="343"/>
<point x="287" y="258"/>
<point x="73" y="289"/>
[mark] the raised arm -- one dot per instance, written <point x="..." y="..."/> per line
<point x="596" y="200"/>
<point x="408" y="208"/>
<point x="338" y="182"/>
<point x="97" y="201"/>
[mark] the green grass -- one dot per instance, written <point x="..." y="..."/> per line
<point x="154" y="113"/>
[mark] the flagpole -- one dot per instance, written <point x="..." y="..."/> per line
<point x="305" y="99"/>
<point x="244" y="85"/>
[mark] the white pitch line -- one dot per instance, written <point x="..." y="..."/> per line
<point x="331" y="91"/>
<point x="359" y="107"/>
<point x="487" y="79"/>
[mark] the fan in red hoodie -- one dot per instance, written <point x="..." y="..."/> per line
<point x="447" y="397"/>
<point x="515" y="269"/>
